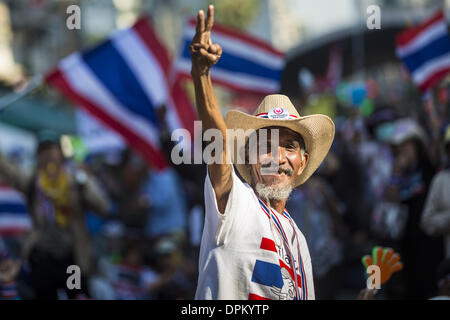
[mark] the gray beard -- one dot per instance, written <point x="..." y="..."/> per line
<point x="272" y="192"/>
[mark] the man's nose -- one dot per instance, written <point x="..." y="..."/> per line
<point x="281" y="155"/>
<point x="276" y="155"/>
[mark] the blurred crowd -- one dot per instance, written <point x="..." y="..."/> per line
<point x="135" y="231"/>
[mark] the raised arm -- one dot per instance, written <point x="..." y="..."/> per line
<point x="13" y="175"/>
<point x="204" y="54"/>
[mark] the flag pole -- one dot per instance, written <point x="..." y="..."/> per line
<point x="8" y="99"/>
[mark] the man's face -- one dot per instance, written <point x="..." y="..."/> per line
<point x="287" y="159"/>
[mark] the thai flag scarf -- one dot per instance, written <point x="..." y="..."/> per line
<point x="275" y="222"/>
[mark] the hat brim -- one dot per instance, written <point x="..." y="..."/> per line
<point x="317" y="130"/>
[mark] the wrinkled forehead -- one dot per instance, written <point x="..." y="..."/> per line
<point x="284" y="134"/>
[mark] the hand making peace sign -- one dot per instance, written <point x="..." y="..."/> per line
<point x="204" y="53"/>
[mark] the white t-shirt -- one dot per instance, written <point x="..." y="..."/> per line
<point x="242" y="254"/>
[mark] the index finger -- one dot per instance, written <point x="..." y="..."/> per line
<point x="210" y="18"/>
<point x="200" y="22"/>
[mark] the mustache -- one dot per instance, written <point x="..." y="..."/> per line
<point x="270" y="168"/>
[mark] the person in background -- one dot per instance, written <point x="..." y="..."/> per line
<point x="443" y="281"/>
<point x="153" y="201"/>
<point x="343" y="172"/>
<point x="192" y="183"/>
<point x="132" y="280"/>
<point x="411" y="177"/>
<point x="58" y="194"/>
<point x="436" y="214"/>
<point x="132" y="201"/>
<point x="167" y="215"/>
<point x="316" y="208"/>
<point x="176" y="274"/>
<point x="9" y="271"/>
<point x="379" y="126"/>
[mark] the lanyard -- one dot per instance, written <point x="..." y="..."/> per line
<point x="277" y="223"/>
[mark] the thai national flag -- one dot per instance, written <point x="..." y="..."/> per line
<point x="122" y="82"/>
<point x="247" y="63"/>
<point x="267" y="277"/>
<point x="14" y="217"/>
<point x="425" y="50"/>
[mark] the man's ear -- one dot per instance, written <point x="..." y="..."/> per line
<point x="303" y="163"/>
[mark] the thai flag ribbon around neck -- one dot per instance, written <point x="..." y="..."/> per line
<point x="279" y="227"/>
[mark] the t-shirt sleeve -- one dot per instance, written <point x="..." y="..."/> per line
<point x="221" y="225"/>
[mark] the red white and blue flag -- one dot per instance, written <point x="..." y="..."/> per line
<point x="269" y="274"/>
<point x="122" y="82"/>
<point x="14" y="217"/>
<point x="247" y="64"/>
<point x="425" y="50"/>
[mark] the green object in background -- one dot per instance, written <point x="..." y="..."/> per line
<point x="236" y="14"/>
<point x="384" y="132"/>
<point x="373" y="259"/>
<point x="364" y="260"/>
<point x="342" y="93"/>
<point x="80" y="151"/>
<point x="74" y="147"/>
<point x="367" y="107"/>
<point x="374" y="254"/>
<point x="321" y="104"/>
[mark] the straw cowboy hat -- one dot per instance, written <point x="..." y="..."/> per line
<point x="277" y="110"/>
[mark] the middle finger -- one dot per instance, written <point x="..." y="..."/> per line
<point x="210" y="18"/>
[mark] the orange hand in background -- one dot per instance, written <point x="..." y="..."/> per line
<point x="386" y="259"/>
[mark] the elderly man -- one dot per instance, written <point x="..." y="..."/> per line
<point x="251" y="248"/>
